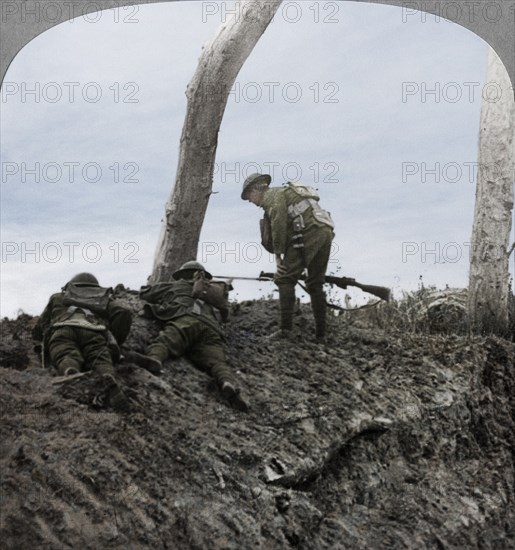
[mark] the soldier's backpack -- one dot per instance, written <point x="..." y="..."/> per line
<point x="311" y="198"/>
<point x="214" y="293"/>
<point x="94" y="298"/>
<point x="304" y="191"/>
<point x="265" y="226"/>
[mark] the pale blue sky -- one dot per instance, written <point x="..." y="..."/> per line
<point x="360" y="141"/>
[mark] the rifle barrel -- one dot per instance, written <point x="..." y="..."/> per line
<point x="260" y="278"/>
<point x="342" y="282"/>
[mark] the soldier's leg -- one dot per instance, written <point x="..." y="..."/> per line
<point x="209" y="354"/>
<point x="294" y="265"/>
<point x="120" y="320"/>
<point x="96" y="352"/>
<point x="98" y="358"/>
<point x="171" y="342"/>
<point x="64" y="350"/>
<point x="314" y="282"/>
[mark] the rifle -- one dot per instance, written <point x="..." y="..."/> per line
<point x="381" y="292"/>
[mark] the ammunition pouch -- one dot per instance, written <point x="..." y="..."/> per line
<point x="320" y="215"/>
<point x="323" y="216"/>
<point x="298" y="224"/>
<point x="300" y="207"/>
<point x="297" y="239"/>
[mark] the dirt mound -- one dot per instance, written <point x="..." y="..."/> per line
<point x="379" y="439"/>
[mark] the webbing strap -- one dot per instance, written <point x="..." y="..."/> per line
<point x="295" y="210"/>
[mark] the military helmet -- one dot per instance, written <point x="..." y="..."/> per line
<point x="86" y="278"/>
<point x="192" y="265"/>
<point x="253" y="179"/>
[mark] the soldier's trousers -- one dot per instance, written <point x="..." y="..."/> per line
<point x="197" y="341"/>
<point x="315" y="259"/>
<point x="81" y="349"/>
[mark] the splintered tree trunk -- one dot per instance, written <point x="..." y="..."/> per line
<point x="207" y="94"/>
<point x="489" y="286"/>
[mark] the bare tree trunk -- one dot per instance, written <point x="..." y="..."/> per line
<point x="207" y="94"/>
<point x="489" y="286"/>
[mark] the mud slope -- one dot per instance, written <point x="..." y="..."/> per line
<point x="380" y="439"/>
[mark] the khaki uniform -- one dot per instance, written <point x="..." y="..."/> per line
<point x="191" y="328"/>
<point x="317" y="238"/>
<point x="76" y="338"/>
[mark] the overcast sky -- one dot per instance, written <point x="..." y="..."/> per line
<point x="377" y="108"/>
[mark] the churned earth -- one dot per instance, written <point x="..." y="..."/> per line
<point x="382" y="438"/>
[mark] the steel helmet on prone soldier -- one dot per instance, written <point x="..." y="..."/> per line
<point x="253" y="179"/>
<point x="84" y="278"/>
<point x="192" y="266"/>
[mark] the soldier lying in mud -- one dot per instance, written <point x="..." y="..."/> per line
<point x="192" y="309"/>
<point x="81" y="329"/>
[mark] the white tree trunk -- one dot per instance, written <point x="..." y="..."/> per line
<point x="207" y="94"/>
<point x="489" y="287"/>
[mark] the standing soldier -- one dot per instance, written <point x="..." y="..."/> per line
<point x="81" y="327"/>
<point x="192" y="309"/>
<point x="299" y="232"/>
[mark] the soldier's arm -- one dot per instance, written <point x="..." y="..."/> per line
<point x="277" y="210"/>
<point x="120" y="321"/>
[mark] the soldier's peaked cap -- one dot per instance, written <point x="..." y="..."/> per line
<point x="191" y="266"/>
<point x="252" y="180"/>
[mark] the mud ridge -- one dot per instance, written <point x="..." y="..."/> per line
<point x="382" y="438"/>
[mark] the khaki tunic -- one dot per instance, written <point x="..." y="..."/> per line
<point x="77" y="338"/>
<point x="317" y="238"/>
<point x="191" y="328"/>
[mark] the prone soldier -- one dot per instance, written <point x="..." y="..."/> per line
<point x="192" y="311"/>
<point x="82" y="327"/>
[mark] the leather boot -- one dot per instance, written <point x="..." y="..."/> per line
<point x="152" y="364"/>
<point x="117" y="398"/>
<point x="68" y="367"/>
<point x="228" y="386"/>
<point x="234" y="397"/>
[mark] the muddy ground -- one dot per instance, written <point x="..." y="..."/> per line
<point x="382" y="438"/>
